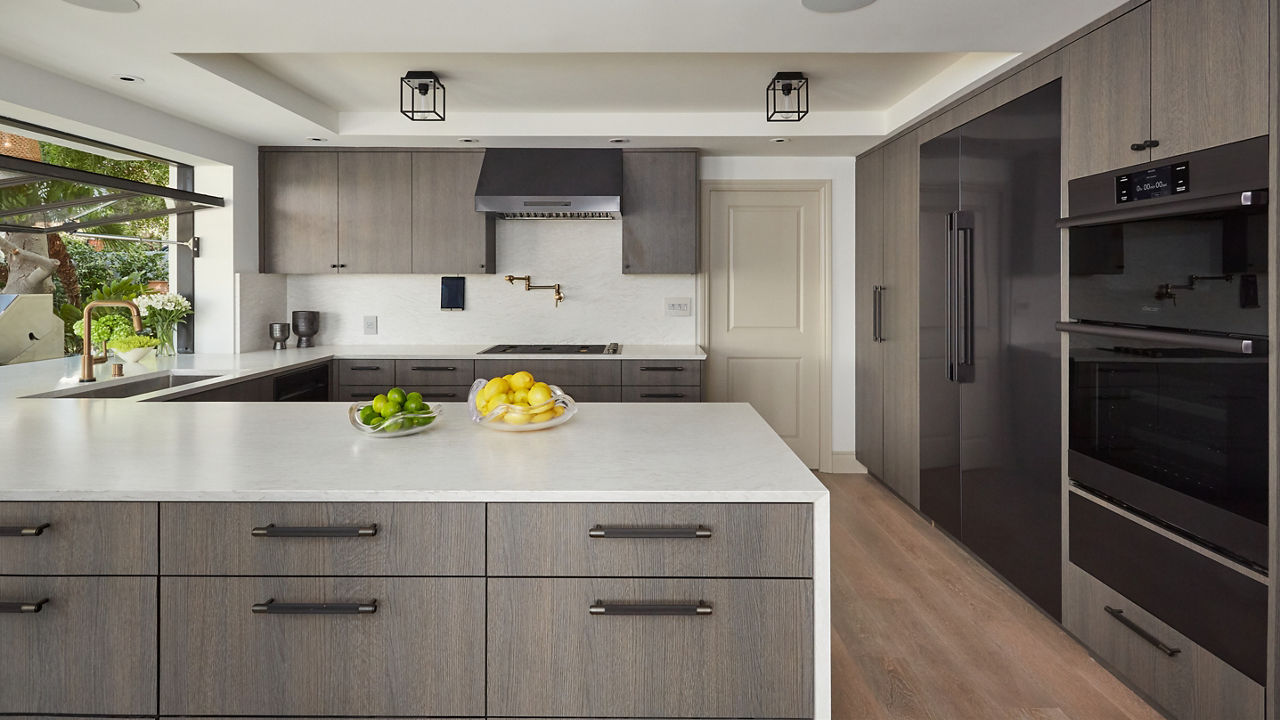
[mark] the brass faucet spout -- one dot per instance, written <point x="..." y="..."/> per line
<point x="87" y="358"/>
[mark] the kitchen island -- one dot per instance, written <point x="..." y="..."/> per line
<point x="639" y="561"/>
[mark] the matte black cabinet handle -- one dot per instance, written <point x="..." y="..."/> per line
<point x="1119" y="615"/>
<point x="1144" y="145"/>
<point x="31" y="531"/>
<point x="661" y="395"/>
<point x="435" y="396"/>
<point x="432" y="368"/>
<point x="315" y="532"/>
<point x="21" y="607"/>
<point x="641" y="533"/>
<point x="365" y="368"/>
<point x="271" y="607"/>
<point x="662" y="369"/>
<point x="603" y="608"/>
<point x="361" y="396"/>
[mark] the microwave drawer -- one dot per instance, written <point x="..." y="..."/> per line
<point x="1185" y="680"/>
<point x="595" y="647"/>
<point x="1218" y="608"/>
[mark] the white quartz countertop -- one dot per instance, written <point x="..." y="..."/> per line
<point x="63" y="449"/>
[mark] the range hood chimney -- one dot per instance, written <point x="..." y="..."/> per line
<point x="551" y="184"/>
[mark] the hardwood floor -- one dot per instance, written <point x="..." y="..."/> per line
<point x="922" y="630"/>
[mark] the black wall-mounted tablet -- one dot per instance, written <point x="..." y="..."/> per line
<point x="453" y="293"/>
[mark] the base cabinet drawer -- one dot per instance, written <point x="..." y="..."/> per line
<point x="91" y="648"/>
<point x="593" y="393"/>
<point x="1186" y="681"/>
<point x="651" y="539"/>
<point x="77" y="538"/>
<point x="254" y="646"/>
<point x="556" y="372"/>
<point x="435" y="372"/>
<point x="662" y="393"/>
<point x="440" y="393"/>
<point x="572" y="647"/>
<point x="367" y="372"/>
<point x="322" y="538"/>
<point x="661" y="372"/>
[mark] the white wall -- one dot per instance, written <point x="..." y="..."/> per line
<point x="585" y="256"/>
<point x="839" y="170"/>
<point x="224" y="166"/>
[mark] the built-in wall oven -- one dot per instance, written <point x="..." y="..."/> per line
<point x="1168" y="344"/>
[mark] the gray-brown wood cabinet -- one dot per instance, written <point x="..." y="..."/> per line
<point x="449" y="236"/>
<point x="1168" y="78"/>
<point x="298" y="212"/>
<point x="375" y="206"/>
<point x="659" y="211"/>
<point x="887" y="280"/>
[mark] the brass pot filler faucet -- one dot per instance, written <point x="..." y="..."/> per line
<point x="559" y="296"/>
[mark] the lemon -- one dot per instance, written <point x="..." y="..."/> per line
<point x="538" y="394"/>
<point x="493" y="403"/>
<point x="517" y="418"/>
<point x="497" y="385"/>
<point x="480" y="401"/>
<point x="543" y="417"/>
<point x="520" y="396"/>
<point x="559" y="410"/>
<point x="522" y="380"/>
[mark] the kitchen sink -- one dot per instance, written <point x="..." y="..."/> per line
<point x="128" y="387"/>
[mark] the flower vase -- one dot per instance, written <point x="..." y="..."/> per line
<point x="164" y="333"/>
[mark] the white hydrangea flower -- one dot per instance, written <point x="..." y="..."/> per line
<point x="163" y="301"/>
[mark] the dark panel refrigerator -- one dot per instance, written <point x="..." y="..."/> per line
<point x="990" y="410"/>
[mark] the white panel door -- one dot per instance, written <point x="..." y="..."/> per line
<point x="765" y="307"/>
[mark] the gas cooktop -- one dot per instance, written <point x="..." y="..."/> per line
<point x="610" y="349"/>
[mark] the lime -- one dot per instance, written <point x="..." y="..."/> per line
<point x="379" y="402"/>
<point x="414" y="404"/>
<point x="397" y="396"/>
<point x="390" y="408"/>
<point x="392" y="426"/>
<point x="368" y="415"/>
<point x="414" y="396"/>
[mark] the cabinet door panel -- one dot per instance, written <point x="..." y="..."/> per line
<point x="869" y="275"/>
<point x="299" y="212"/>
<point x="420" y="654"/>
<point x="1208" y="73"/>
<point x="551" y="655"/>
<point x="900" y="308"/>
<point x="449" y="236"/>
<point x="1107" y="94"/>
<point x="659" y="212"/>
<point x="375" y="198"/>
<point x="90" y="649"/>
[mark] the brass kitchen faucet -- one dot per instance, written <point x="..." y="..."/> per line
<point x="558" y="295"/>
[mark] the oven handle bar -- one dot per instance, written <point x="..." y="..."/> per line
<point x="1225" y="344"/>
<point x="1169" y="208"/>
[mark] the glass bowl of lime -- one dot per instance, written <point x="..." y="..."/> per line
<point x="383" y="419"/>
<point x="514" y="417"/>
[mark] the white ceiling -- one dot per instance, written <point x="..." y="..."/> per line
<point x="539" y="72"/>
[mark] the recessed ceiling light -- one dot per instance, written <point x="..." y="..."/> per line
<point x="835" y="6"/>
<point x="318" y="139"/>
<point x="115" y="6"/>
<point x="129" y="78"/>
<point x="468" y="140"/>
<point x="619" y="141"/>
<point x="779" y="140"/>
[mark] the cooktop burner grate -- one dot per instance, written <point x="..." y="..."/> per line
<point x="610" y="349"/>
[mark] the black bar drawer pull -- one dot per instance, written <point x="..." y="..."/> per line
<point x="21" y="607"/>
<point x="662" y="369"/>
<point x="365" y="368"/>
<point x="23" y="531"/>
<point x="315" y="532"/>
<point x="363" y="396"/>
<point x="603" y="608"/>
<point x="661" y="395"/>
<point x="634" y="533"/>
<point x="435" y="396"/>
<point x="271" y="607"/>
<point x="432" y="368"/>
<point x="1119" y="615"/>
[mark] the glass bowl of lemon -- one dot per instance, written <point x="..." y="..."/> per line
<point x="518" y="403"/>
<point x="393" y="414"/>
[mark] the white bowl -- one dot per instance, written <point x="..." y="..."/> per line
<point x="136" y="355"/>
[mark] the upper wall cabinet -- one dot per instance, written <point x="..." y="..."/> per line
<point x="659" y="211"/>
<point x="449" y="236"/>
<point x="375" y="201"/>
<point x="358" y="211"/>
<point x="299" y="212"/>
<point x="1168" y="78"/>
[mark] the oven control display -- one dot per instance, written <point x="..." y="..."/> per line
<point x="1154" y="182"/>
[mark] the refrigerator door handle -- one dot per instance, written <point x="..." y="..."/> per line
<point x="875" y="313"/>
<point x="880" y="314"/>
<point x="965" y="305"/>
<point x="951" y="299"/>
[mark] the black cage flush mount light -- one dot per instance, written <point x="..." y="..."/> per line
<point x="421" y="95"/>
<point x="786" y="99"/>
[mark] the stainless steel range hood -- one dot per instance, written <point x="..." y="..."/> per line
<point x="551" y="184"/>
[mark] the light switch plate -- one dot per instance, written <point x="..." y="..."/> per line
<point x="370" y="324"/>
<point x="679" y="306"/>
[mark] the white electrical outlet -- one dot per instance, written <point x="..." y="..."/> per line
<point x="370" y="324"/>
<point x="678" y="306"/>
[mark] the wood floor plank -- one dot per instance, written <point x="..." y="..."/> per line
<point x="922" y="630"/>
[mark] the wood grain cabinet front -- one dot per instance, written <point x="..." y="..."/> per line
<point x="661" y="372"/>
<point x="367" y="372"/>
<point x="651" y="539"/>
<point x="389" y="539"/>
<point x="410" y="647"/>
<point x="78" y="645"/>
<point x="601" y="648"/>
<point x="454" y="371"/>
<point x="661" y="393"/>
<point x="77" y="538"/>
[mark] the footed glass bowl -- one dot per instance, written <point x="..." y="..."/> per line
<point x="513" y="418"/>
<point x="398" y="425"/>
